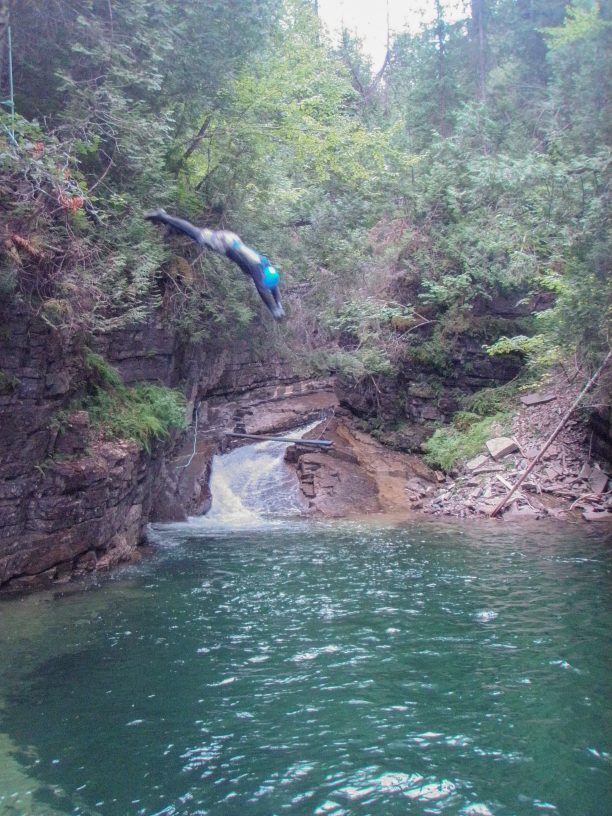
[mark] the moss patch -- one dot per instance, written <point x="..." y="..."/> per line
<point x="464" y="439"/>
<point x="141" y="414"/>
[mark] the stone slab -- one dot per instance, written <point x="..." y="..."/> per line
<point x="501" y="446"/>
<point x="595" y="515"/>
<point x="598" y="480"/>
<point x="531" y="451"/>
<point x="537" y="399"/>
<point x="478" y="462"/>
<point x="487" y="469"/>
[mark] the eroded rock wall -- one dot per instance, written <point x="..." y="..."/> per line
<point x="420" y="396"/>
<point x="358" y="476"/>
<point x="70" y="501"/>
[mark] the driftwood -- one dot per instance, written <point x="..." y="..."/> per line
<point x="315" y="443"/>
<point x="500" y="506"/>
<point x="590" y="498"/>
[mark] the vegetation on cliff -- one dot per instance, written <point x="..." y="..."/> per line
<point x="461" y="192"/>
<point x="141" y="414"/>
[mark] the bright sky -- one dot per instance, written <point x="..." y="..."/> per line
<point x="368" y="19"/>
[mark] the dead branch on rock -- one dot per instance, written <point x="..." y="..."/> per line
<point x="499" y="507"/>
<point x="590" y="498"/>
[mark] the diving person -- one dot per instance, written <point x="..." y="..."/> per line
<point x="258" y="267"/>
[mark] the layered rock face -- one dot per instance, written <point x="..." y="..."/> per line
<point x="71" y="502"/>
<point x="358" y="476"/>
<point x="419" y="398"/>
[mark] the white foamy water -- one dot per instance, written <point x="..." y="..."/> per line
<point x="252" y="485"/>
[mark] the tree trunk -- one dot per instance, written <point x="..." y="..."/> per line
<point x="5" y="19"/>
<point x="479" y="37"/>
<point x="442" y="125"/>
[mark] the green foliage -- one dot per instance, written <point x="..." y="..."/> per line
<point x="78" y="277"/>
<point x="101" y="373"/>
<point x="123" y="90"/>
<point x="462" y="440"/>
<point x="431" y="354"/>
<point x="362" y="317"/>
<point x="364" y="330"/>
<point x="141" y="414"/>
<point x="580" y="23"/>
<point x="516" y="198"/>
<point x="538" y="349"/>
<point x="478" y="170"/>
<point x="485" y="414"/>
<point x="216" y="304"/>
<point x="355" y="365"/>
<point x="490" y="401"/>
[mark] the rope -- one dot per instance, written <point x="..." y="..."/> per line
<point x="195" y="437"/>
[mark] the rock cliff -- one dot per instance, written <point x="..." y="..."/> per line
<point x="71" y="501"/>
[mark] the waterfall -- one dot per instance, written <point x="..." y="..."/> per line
<point x="253" y="484"/>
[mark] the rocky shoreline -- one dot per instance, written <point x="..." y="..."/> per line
<point x="568" y="483"/>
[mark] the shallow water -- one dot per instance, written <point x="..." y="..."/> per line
<point x="310" y="668"/>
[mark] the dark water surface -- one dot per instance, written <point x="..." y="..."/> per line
<point x="318" y="669"/>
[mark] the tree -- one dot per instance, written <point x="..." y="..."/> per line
<point x="479" y="39"/>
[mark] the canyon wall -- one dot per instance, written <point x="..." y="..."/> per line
<point x="71" y="501"/>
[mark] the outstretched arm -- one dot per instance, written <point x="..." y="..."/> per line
<point x="280" y="312"/>
<point x="252" y="264"/>
<point x="272" y="300"/>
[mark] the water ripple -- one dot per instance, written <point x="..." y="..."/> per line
<point x="310" y="668"/>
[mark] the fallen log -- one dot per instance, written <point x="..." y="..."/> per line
<point x="315" y="443"/>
